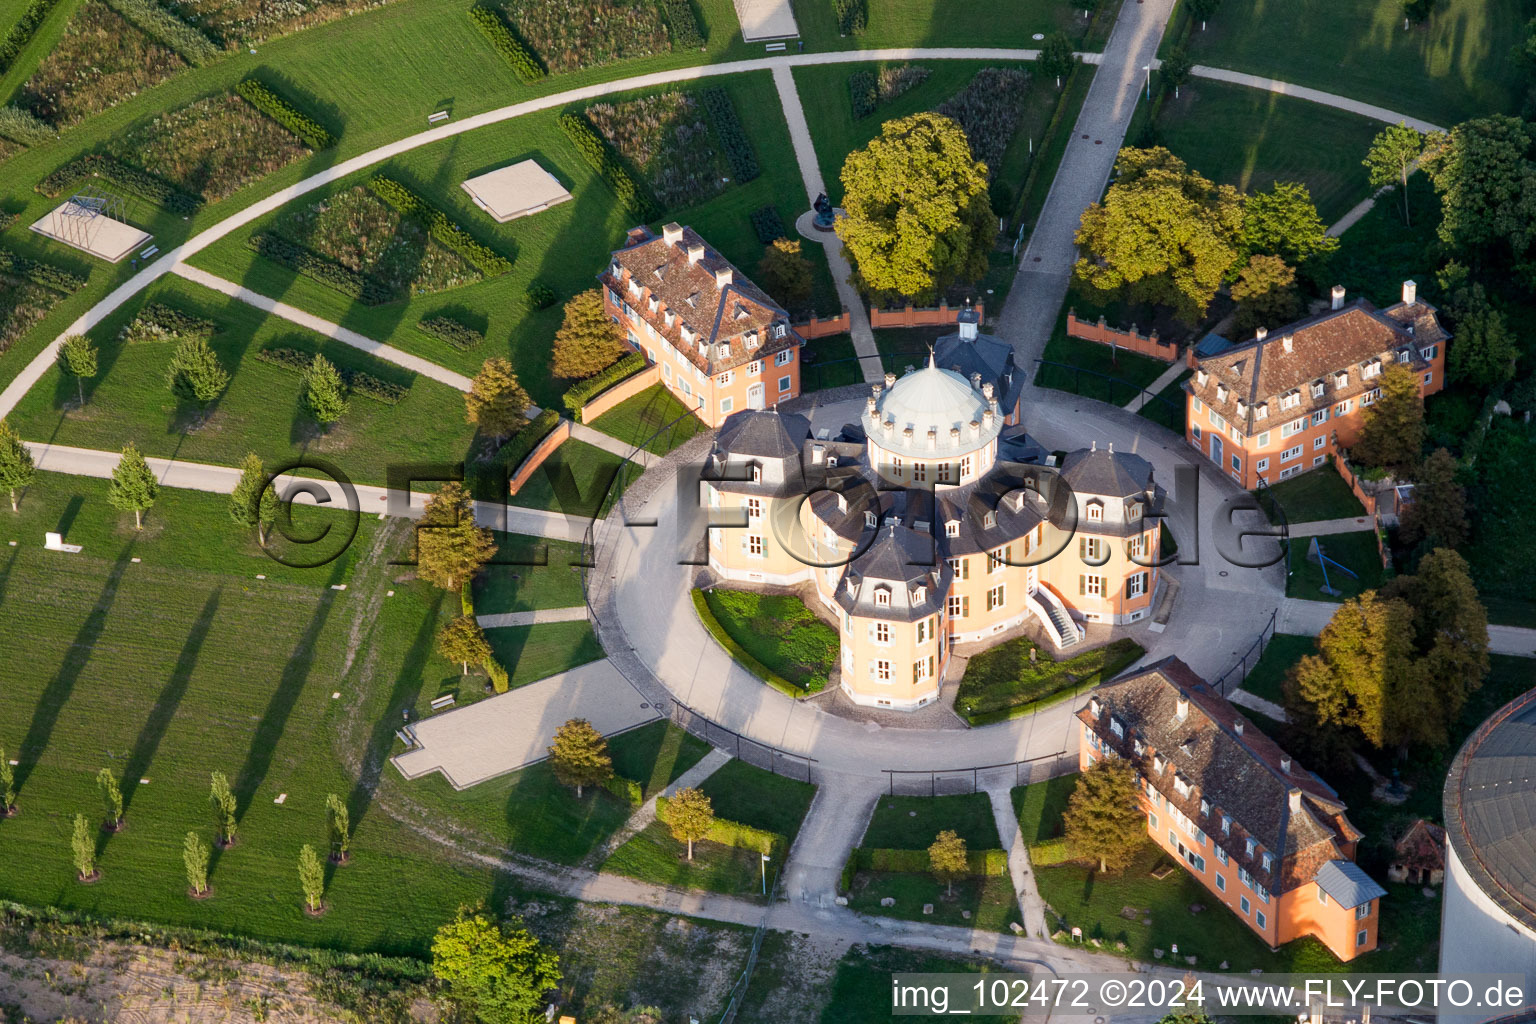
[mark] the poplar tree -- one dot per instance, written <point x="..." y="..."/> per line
<point x="340" y="821"/>
<point x="195" y="854"/>
<point x="222" y="800"/>
<point x="111" y="797"/>
<point x="311" y="878"/>
<point x="82" y="843"/>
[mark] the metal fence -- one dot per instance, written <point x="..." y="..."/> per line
<point x="949" y="781"/>
<point x="754" y="752"/>
<point x="1235" y="675"/>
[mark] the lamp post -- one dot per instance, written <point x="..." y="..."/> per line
<point x="1148" y="70"/>
<point x="763" y="870"/>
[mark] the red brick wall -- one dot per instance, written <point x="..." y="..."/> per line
<point x="1131" y="341"/>
<point x="536" y="458"/>
<point x="627" y="388"/>
<point x="913" y="317"/>
<point x="816" y="328"/>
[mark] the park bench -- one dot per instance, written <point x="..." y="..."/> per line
<point x="441" y="115"/>
<point x="445" y="701"/>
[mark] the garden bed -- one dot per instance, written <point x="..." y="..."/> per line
<point x="100" y="61"/>
<point x="666" y="138"/>
<point x="989" y="109"/>
<point x="1001" y="683"/>
<point x="569" y="35"/>
<point x="234" y="22"/>
<point x="22" y="305"/>
<point x="777" y="632"/>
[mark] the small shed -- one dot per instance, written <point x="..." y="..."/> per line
<point x="516" y="190"/>
<point x="1420" y="855"/>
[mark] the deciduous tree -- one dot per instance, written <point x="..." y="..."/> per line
<point x="77" y="357"/>
<point x="1391" y="157"/>
<point x="579" y="755"/>
<point x="1364" y="652"/>
<point x="1266" y="294"/>
<point x="17" y="470"/>
<point x="1284" y="222"/>
<point x="462" y="640"/>
<point x="1056" y="57"/>
<point x="1393" y="429"/>
<point x="133" y="487"/>
<point x="1163" y="234"/>
<point x="111" y="797"/>
<point x="311" y="878"/>
<point x="1485" y="350"/>
<point x="499" y="972"/>
<point x="195" y="854"/>
<point x="947" y="860"/>
<point x="1203" y="9"/>
<point x="222" y="799"/>
<point x="1450" y="640"/>
<point x="325" y="393"/>
<point x="450" y="547"/>
<point x="587" y="340"/>
<point x="1103" y="820"/>
<point x="690" y="816"/>
<point x="340" y="821"/>
<point x="194" y="373"/>
<point x="7" y="785"/>
<point x="1176" y="68"/>
<point x="918" y="213"/>
<point x="784" y="273"/>
<point x="254" y="503"/>
<point x="1483" y="172"/>
<point x="1438" y="512"/>
<point x="82" y="843"/>
<point x="496" y="402"/>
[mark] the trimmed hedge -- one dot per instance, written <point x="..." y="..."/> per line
<point x="45" y="274"/>
<point x="484" y="259"/>
<point x="768" y="224"/>
<point x="284" y="113"/>
<point x="357" y="382"/>
<point x="732" y="833"/>
<point x="25" y="127"/>
<point x="850" y="868"/>
<point x="22" y="31"/>
<point x="311" y="264"/>
<point x="126" y="177"/>
<point x="580" y="393"/>
<point x="736" y="651"/>
<point x="686" y="31"/>
<point x="538" y="296"/>
<point x="516" y="451"/>
<point x="738" y="148"/>
<point x="1047" y="852"/>
<point x="160" y="24"/>
<point x="524" y="63"/>
<point x="627" y="790"/>
<point x="978" y="863"/>
<point x="500" y="681"/>
<point x="607" y="164"/>
<point x="852" y="16"/>
<point x="863" y="92"/>
<point x="157" y="322"/>
<point x="449" y="330"/>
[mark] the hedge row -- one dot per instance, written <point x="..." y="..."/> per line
<point x="21" y="32"/>
<point x="978" y="863"/>
<point x="524" y="63"/>
<point x="863" y="92"/>
<point x="591" y="146"/>
<point x="768" y="224"/>
<point x="627" y="790"/>
<point x="1049" y="851"/>
<point x="486" y="260"/>
<point x="158" y="23"/>
<point x="686" y="32"/>
<point x="738" y="148"/>
<point x="732" y="833"/>
<point x="852" y="16"/>
<point x="45" y="274"/>
<point x="311" y="264"/>
<point x="126" y="177"/>
<point x="738" y="652"/>
<point x="25" y="127"/>
<point x="516" y="451"/>
<point x="580" y="393"/>
<point x="451" y="331"/>
<point x="157" y="322"/>
<point x="284" y="113"/>
<point x="358" y="382"/>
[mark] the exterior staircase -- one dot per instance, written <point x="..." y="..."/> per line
<point x="1058" y="624"/>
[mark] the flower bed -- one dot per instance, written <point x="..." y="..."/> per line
<point x="284" y="113"/>
<point x="387" y="255"/>
<point x="161" y="25"/>
<point x="100" y="60"/>
<point x="235" y="22"/>
<point x="157" y="322"/>
<point x="989" y="108"/>
<point x="572" y="34"/>
<point x="22" y="305"/>
<point x="123" y="178"/>
<point x="45" y="274"/>
<point x="665" y="137"/>
<point x="738" y="148"/>
<point x="213" y="147"/>
<point x="868" y="88"/>
<point x="607" y="164"/>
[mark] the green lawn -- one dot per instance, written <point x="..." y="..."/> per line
<point x="1171" y="411"/>
<point x="912" y="822"/>
<point x="531" y="653"/>
<point x="1040" y="805"/>
<point x="654" y="856"/>
<point x="861" y="989"/>
<point x="579" y="479"/>
<point x="742" y="792"/>
<point x="654" y="420"/>
<point x="1267" y="677"/>
<point x="529" y="573"/>
<point x="260" y="412"/>
<point x="1114" y="376"/>
<point x="1002" y="681"/>
<point x="1250" y="139"/>
<point x="779" y="631"/>
<point x="1356" y="551"/>
<point x="1455" y="68"/>
<point x="1312" y="497"/>
<point x="930" y="23"/>
<point x="990" y="900"/>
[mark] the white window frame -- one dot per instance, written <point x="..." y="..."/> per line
<point x="784" y="358"/>
<point x="784" y="384"/>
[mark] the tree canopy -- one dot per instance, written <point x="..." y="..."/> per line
<point x="497" y="971"/>
<point x="253" y="503"/>
<point x="462" y="640"/>
<point x="579" y="755"/>
<point x="77" y="357"/>
<point x="1485" y="350"/>
<point x="1266" y="294"/>
<point x="17" y="469"/>
<point x="1363" y="653"/>
<point x="325" y="393"/>
<point x="947" y="858"/>
<point x="1284" y="222"/>
<point x="919" y="217"/>
<point x="194" y="373"/>
<point x="1393" y="430"/>
<point x="784" y="273"/>
<point x="1483" y="171"/>
<point x="690" y="815"/>
<point x="133" y="487"/>
<point x="1163" y="234"/>
<point x="1390" y="159"/>
<point x="450" y="547"/>
<point x="1056" y="57"/>
<point x="496" y="402"/>
<point x="1438" y="512"/>
<point x="587" y="340"/>
<point x="1103" y="819"/>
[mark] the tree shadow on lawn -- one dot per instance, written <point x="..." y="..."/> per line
<point x="45" y="715"/>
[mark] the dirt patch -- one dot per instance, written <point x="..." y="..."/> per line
<point x="793" y="978"/>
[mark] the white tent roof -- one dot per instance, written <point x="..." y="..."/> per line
<point x="516" y="190"/>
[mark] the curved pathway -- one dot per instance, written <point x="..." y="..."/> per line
<point x="1327" y="99"/>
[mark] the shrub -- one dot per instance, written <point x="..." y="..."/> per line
<point x="738" y="148"/>
<point x="524" y="64"/>
<point x="684" y="24"/>
<point x="852" y="16"/>
<point x="861" y="92"/>
<point x="979" y="863"/>
<point x="596" y="152"/>
<point x="328" y="272"/>
<point x="158" y="23"/>
<point x="768" y="224"/>
<point x="500" y="681"/>
<point x="732" y="833"/>
<point x="126" y="178"/>
<point x="487" y="261"/>
<point x="22" y="30"/>
<point x="357" y="382"/>
<point x="44" y="274"/>
<point x="284" y="113"/>
<point x="1048" y="852"/>
<point x="451" y="331"/>
<point x="514" y="452"/>
<point x="578" y="394"/>
<point x="627" y="790"/>
<point x="538" y="296"/>
<point x="157" y="322"/>
<point x="23" y="126"/>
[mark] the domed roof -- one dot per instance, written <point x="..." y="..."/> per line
<point x="931" y="401"/>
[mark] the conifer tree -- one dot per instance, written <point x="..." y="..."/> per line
<point x="194" y="373"/>
<point x="325" y="393"/>
<point x="496" y="402"/>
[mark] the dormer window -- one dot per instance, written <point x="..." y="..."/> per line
<point x="1249" y="846"/>
<point x="751" y="340"/>
<point x="616" y="270"/>
<point x="757" y="473"/>
<point x="989" y="520"/>
<point x="919" y="595"/>
<point x="1341" y="380"/>
<point x="780" y="329"/>
<point x="1205" y="808"/>
<point x="1094" y="707"/>
<point x="634" y="287"/>
<point x="1201" y="377"/>
<point x="653" y="304"/>
<point x="952" y="528"/>
<point x="741" y="312"/>
<point x="1403" y="356"/>
<point x="1261" y="411"/>
<point x="723" y="351"/>
<point x="1134" y="512"/>
<point x="693" y="300"/>
<point x="1291" y="399"/>
<point x="1226" y="824"/>
<point x="1267" y="861"/>
<point x="1159" y="762"/>
<point x="1242" y="408"/>
<point x="1116" y="727"/>
<point x="668" y="317"/>
<point x="1140" y="748"/>
<point x="882" y="597"/>
<point x="1181" y="785"/>
<point x="1370" y="369"/>
<point x="1317" y="389"/>
<point x="687" y="334"/>
<point x="1221" y="392"/>
<point x="1095" y="512"/>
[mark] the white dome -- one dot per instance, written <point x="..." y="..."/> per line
<point x="933" y="402"/>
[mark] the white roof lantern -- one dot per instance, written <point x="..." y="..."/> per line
<point x="932" y="410"/>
